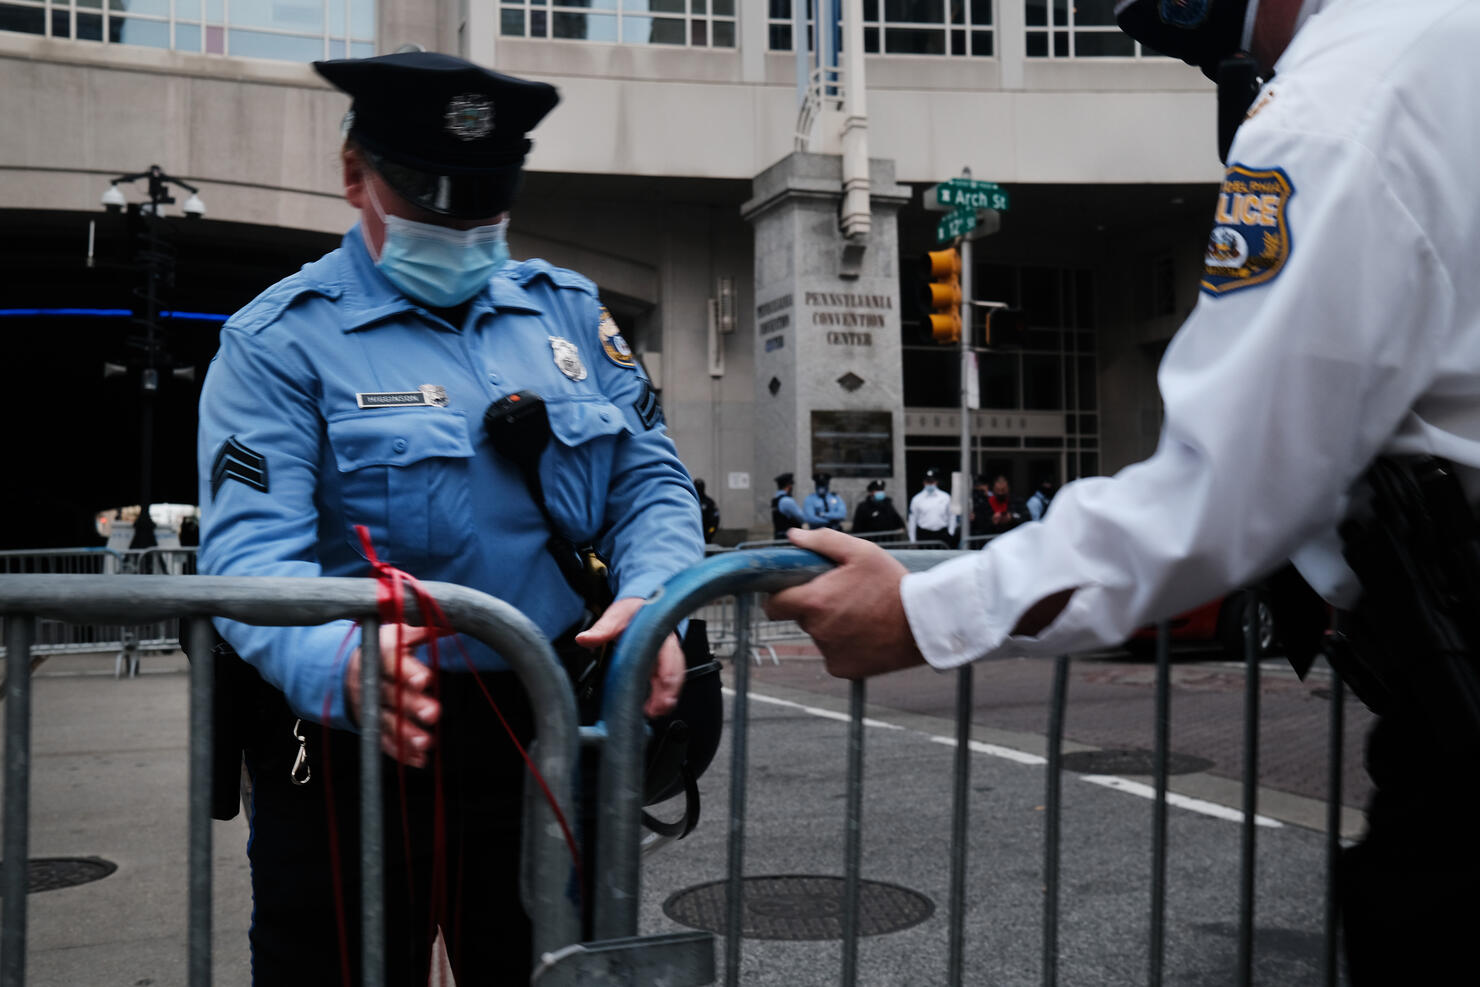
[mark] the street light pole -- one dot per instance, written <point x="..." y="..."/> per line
<point x="158" y="264"/>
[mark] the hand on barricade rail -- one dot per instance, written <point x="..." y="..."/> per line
<point x="668" y="672"/>
<point x="406" y="720"/>
<point x="853" y="612"/>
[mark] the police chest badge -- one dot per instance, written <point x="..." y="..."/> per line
<point x="567" y="358"/>
<point x="612" y="343"/>
<point x="1250" y="242"/>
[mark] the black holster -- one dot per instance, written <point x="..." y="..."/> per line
<point x="1410" y="646"/>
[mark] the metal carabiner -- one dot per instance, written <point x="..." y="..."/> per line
<point x="300" y="772"/>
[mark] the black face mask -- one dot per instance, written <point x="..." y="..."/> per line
<point x="1200" y="32"/>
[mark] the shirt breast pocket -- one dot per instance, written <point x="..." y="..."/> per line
<point x="576" y="470"/>
<point x="404" y="474"/>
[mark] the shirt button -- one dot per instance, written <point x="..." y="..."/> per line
<point x="399" y="445"/>
<point x="606" y="418"/>
<point x="493" y="378"/>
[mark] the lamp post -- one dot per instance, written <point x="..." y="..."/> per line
<point x="158" y="263"/>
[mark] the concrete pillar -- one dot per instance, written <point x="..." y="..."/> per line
<point x="827" y="331"/>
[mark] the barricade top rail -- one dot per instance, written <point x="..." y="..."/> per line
<point x="758" y="571"/>
<point x="301" y="601"/>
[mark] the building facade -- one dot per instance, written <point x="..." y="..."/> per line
<point x="651" y="178"/>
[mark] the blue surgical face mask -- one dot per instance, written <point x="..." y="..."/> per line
<point x="436" y="264"/>
<point x="878" y="495"/>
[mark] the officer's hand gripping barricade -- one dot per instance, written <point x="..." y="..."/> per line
<point x="1410" y="648"/>
<point x="683" y="741"/>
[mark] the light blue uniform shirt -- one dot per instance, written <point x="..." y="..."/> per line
<point x="824" y="512"/>
<point x="287" y="386"/>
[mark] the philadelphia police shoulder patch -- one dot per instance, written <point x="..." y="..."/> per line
<point x="1250" y="242"/>
<point x="612" y="343"/>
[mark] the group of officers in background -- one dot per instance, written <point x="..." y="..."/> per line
<point x="931" y="517"/>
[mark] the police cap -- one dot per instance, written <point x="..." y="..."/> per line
<point x="447" y="135"/>
<point x="821" y="479"/>
<point x="875" y="485"/>
<point x="932" y="474"/>
<point x="783" y="480"/>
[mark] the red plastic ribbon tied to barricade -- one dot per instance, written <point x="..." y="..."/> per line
<point x="392" y="584"/>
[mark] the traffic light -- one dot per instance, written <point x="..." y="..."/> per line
<point x="942" y="294"/>
<point x="1005" y="328"/>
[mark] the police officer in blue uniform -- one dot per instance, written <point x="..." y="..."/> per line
<point x="823" y="508"/>
<point x="353" y="393"/>
<point x="785" y="513"/>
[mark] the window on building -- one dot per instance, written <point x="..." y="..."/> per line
<point x="1078" y="29"/>
<point x="901" y="27"/>
<point x="681" y="23"/>
<point x="290" y="30"/>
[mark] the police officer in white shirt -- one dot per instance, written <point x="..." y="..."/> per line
<point x="1339" y="321"/>
<point x="931" y="517"/>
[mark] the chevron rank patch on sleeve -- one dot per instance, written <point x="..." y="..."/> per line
<point x="236" y="462"/>
<point x="648" y="409"/>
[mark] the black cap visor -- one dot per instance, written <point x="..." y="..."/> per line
<point x="466" y="195"/>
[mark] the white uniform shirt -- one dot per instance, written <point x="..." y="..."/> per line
<point x="1339" y="320"/>
<point x="931" y="509"/>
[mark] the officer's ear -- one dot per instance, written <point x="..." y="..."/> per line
<point x="354" y="175"/>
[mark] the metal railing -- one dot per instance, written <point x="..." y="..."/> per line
<point x="128" y="642"/>
<point x="27" y="599"/>
<point x="743" y="574"/>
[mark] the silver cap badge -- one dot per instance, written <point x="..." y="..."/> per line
<point x="469" y="116"/>
<point x="567" y="358"/>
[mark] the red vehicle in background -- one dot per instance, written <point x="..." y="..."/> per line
<point x="1218" y="623"/>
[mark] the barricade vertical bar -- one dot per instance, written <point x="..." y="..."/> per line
<point x="959" y="814"/>
<point x="853" y="837"/>
<point x="20" y="631"/>
<point x="372" y="884"/>
<point x="1159" y="805"/>
<point x="202" y="688"/>
<point x="1333" y="822"/>
<point x="739" y="741"/>
<point x="1053" y="821"/>
<point x="1251" y="790"/>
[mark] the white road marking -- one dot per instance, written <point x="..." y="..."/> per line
<point x="1023" y="757"/>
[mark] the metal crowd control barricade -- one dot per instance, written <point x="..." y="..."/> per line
<point x="743" y="574"/>
<point x="27" y="599"/>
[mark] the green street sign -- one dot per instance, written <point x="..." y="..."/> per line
<point x="954" y="224"/>
<point x="961" y="193"/>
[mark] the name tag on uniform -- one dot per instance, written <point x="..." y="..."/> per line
<point x="434" y="395"/>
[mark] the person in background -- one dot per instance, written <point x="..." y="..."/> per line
<point x="708" y="511"/>
<point x="785" y="513"/>
<point x="876" y="512"/>
<point x="1005" y="511"/>
<point x="823" y="508"/>
<point x="931" y="518"/>
<point x="1038" y="503"/>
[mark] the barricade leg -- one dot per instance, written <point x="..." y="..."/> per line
<point x="20" y="631"/>
<point x="739" y="738"/>
<point x="1251" y="791"/>
<point x="853" y="836"/>
<point x="1053" y="808"/>
<point x="959" y="813"/>
<point x="372" y="840"/>
<point x="1159" y="805"/>
<point x="202" y="674"/>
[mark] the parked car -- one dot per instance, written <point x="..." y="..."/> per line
<point x="1218" y="622"/>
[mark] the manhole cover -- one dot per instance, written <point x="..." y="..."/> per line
<point x="1131" y="762"/>
<point x="52" y="873"/>
<point x="800" y="906"/>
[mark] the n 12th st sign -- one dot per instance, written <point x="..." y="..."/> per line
<point x="966" y="194"/>
<point x="954" y="224"/>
